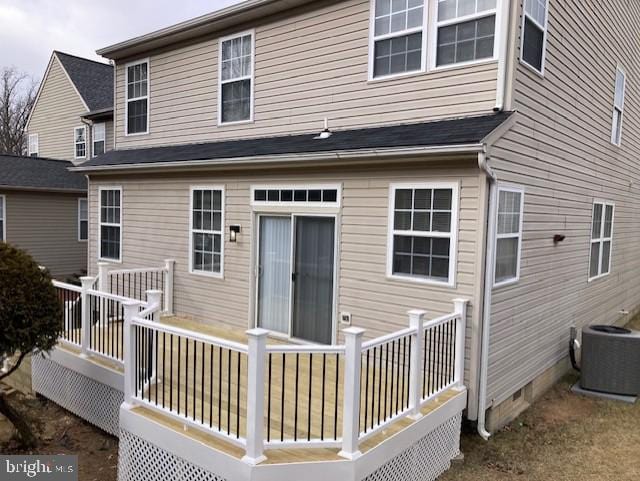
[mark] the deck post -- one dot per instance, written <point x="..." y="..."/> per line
<point x="131" y="309"/>
<point x="416" y="321"/>
<point x="103" y="274"/>
<point x="351" y="408"/>
<point x="85" y="315"/>
<point x="460" y="306"/>
<point x="169" y="265"/>
<point x="257" y="349"/>
<point x="154" y="298"/>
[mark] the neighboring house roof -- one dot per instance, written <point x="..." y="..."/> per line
<point x="93" y="80"/>
<point x="449" y="134"/>
<point x="37" y="173"/>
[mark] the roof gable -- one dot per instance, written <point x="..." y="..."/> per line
<point x="92" y="80"/>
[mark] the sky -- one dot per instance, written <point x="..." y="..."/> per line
<point x="31" y="29"/>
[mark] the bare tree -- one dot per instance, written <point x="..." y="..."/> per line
<point x="17" y="96"/>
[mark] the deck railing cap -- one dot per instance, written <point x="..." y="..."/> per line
<point x="257" y="332"/>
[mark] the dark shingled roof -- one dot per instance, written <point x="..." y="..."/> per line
<point x="39" y="173"/>
<point x="462" y="131"/>
<point x="94" y="80"/>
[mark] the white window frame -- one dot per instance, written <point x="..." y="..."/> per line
<point x="144" y="97"/>
<point x="3" y="217"/>
<point x="518" y="235"/>
<point x="251" y="77"/>
<point x="31" y="141"/>
<point x="618" y="109"/>
<point x="452" y="236"/>
<point x="373" y="39"/>
<point x="601" y="240"/>
<point x="94" y="138"/>
<point x="296" y="204"/>
<point x="222" y="232"/>
<point x="76" y="143"/>
<point x="544" y="37"/>
<point x="80" y="219"/>
<point x="100" y="223"/>
<point x="434" y="25"/>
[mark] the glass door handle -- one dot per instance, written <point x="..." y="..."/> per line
<point x="294" y="276"/>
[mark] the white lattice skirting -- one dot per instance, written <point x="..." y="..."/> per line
<point x="89" y="399"/>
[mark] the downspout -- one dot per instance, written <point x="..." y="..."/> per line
<point x="488" y="287"/>
<point x="501" y="82"/>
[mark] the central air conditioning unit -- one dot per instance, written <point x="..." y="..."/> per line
<point x="610" y="360"/>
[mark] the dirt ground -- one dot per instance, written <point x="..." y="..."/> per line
<point x="562" y="437"/>
<point x="63" y="433"/>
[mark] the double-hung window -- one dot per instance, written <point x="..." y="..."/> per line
<point x="508" y="235"/>
<point x="534" y="33"/>
<point x="33" y="145"/>
<point x="466" y="31"/>
<point x="137" y="104"/>
<point x="236" y="79"/>
<point x="397" y="45"/>
<point x="83" y="220"/>
<point x="601" y="239"/>
<point x="423" y="220"/>
<point x="207" y="222"/>
<point x="3" y="217"/>
<point x="80" y="142"/>
<point x="618" y="107"/>
<point x="110" y="238"/>
<point x="98" y="138"/>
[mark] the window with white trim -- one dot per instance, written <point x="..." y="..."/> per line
<point x="236" y="79"/>
<point x="33" y="145"/>
<point x="3" y="222"/>
<point x="137" y="103"/>
<point x="534" y="33"/>
<point x="423" y="221"/>
<point x="98" y="138"/>
<point x="601" y="239"/>
<point x="618" y="106"/>
<point x="398" y="30"/>
<point x="466" y="31"/>
<point x="313" y="195"/>
<point x="83" y="219"/>
<point x="207" y="222"/>
<point x="80" y="142"/>
<point x="508" y="235"/>
<point x="110" y="223"/>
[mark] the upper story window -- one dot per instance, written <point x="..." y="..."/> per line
<point x="110" y="231"/>
<point x="508" y="235"/>
<point x="83" y="220"/>
<point x="137" y="103"/>
<point x="207" y="221"/>
<point x="397" y="37"/>
<point x="423" y="226"/>
<point x="80" y="142"/>
<point x="3" y="222"/>
<point x="618" y="107"/>
<point x="33" y="145"/>
<point x="534" y="33"/>
<point x="98" y="138"/>
<point x="465" y="31"/>
<point x="601" y="239"/>
<point x="235" y="98"/>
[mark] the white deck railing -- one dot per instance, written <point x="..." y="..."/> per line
<point x="260" y="396"/>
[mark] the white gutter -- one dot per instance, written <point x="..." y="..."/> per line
<point x="488" y="288"/>
<point x="308" y="156"/>
<point x="501" y="82"/>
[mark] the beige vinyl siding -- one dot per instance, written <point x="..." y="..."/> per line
<point x="55" y="115"/>
<point x="560" y="151"/>
<point x="309" y="64"/>
<point x="109" y="135"/>
<point x="156" y="226"/>
<point x="45" y="224"/>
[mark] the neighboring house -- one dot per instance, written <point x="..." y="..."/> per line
<point x="313" y="165"/>
<point x="72" y="117"/>
<point x="43" y="210"/>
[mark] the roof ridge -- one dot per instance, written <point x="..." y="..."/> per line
<point x="82" y="58"/>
